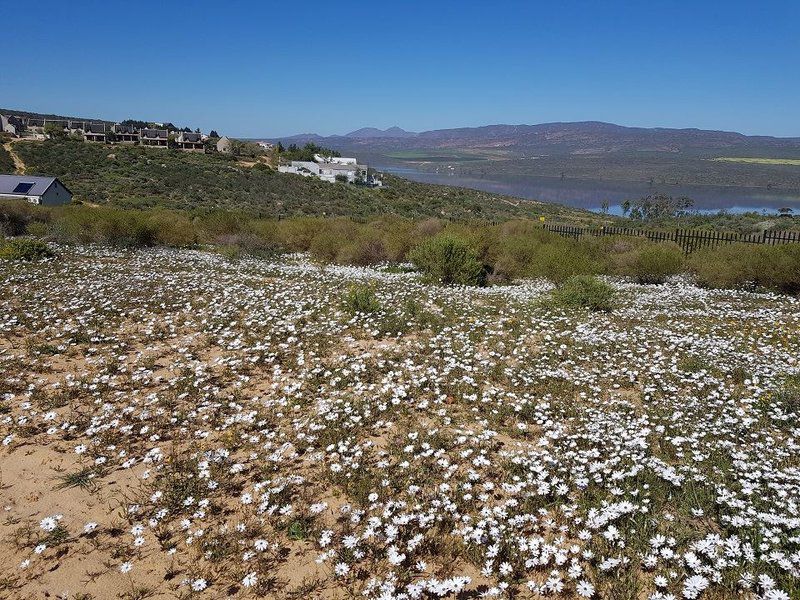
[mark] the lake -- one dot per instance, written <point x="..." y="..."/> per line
<point x="590" y="194"/>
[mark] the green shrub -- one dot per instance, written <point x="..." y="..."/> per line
<point x="585" y="291"/>
<point x="746" y="265"/>
<point x="361" y="299"/>
<point x="655" y="263"/>
<point x="25" y="249"/>
<point x="326" y="245"/>
<point x="368" y="249"/>
<point x="729" y="266"/>
<point x="779" y="268"/>
<point x="237" y="245"/>
<point x="17" y="215"/>
<point x="559" y="262"/>
<point x="787" y="397"/>
<point x="448" y="260"/>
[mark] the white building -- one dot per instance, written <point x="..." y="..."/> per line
<point x="47" y="191"/>
<point x="11" y="125"/>
<point x="331" y="169"/>
<point x="224" y="145"/>
<point x="336" y="160"/>
<point x="301" y="167"/>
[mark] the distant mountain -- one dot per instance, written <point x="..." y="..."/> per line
<point x="372" y="132"/>
<point x="579" y="138"/>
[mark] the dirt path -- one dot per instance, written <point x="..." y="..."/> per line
<point x="19" y="166"/>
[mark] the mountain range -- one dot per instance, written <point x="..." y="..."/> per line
<point x="575" y="138"/>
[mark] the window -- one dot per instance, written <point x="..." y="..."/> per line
<point x="23" y="188"/>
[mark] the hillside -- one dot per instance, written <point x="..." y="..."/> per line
<point x="142" y="177"/>
<point x="588" y="137"/>
<point x="585" y="151"/>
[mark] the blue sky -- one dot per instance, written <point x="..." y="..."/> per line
<point x="277" y="68"/>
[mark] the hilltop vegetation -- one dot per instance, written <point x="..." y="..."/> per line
<point x="142" y="177"/>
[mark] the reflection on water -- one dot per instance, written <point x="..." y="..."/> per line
<point x="591" y="194"/>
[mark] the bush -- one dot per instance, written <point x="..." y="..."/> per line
<point x="448" y="260"/>
<point x="365" y="251"/>
<point x="558" y="262"/>
<point x="787" y="397"/>
<point x="779" y="268"/>
<point x="361" y="299"/>
<point x="237" y="245"/>
<point x="745" y="265"/>
<point x="655" y="263"/>
<point x="25" y="249"/>
<point x="17" y="215"/>
<point x="585" y="291"/>
<point x="326" y="246"/>
<point x="729" y="266"/>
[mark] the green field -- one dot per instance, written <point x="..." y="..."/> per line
<point x="760" y="161"/>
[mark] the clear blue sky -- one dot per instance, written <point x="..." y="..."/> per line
<point x="274" y="68"/>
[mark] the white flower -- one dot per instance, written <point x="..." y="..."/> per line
<point x="89" y="527"/>
<point x="341" y="569"/>
<point x="249" y="580"/>
<point x="198" y="585"/>
<point x="694" y="586"/>
<point x="585" y="589"/>
<point x="48" y="523"/>
<point x="125" y="567"/>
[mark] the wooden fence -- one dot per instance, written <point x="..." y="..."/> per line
<point x="688" y="239"/>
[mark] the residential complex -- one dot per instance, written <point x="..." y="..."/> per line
<point x="103" y="132"/>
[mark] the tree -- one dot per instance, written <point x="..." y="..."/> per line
<point x="785" y="210"/>
<point x="55" y="131"/>
<point x="657" y="206"/>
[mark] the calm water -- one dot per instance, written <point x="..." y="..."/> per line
<point x="590" y="194"/>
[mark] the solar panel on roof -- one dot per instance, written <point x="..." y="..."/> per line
<point x="23" y="188"/>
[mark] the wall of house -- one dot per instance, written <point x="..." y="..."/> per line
<point x="56" y="195"/>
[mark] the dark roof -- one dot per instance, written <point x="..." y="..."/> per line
<point x="14" y="120"/>
<point x="191" y="137"/>
<point x="95" y="128"/>
<point x="125" y="129"/>
<point x="155" y="133"/>
<point x="17" y="185"/>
